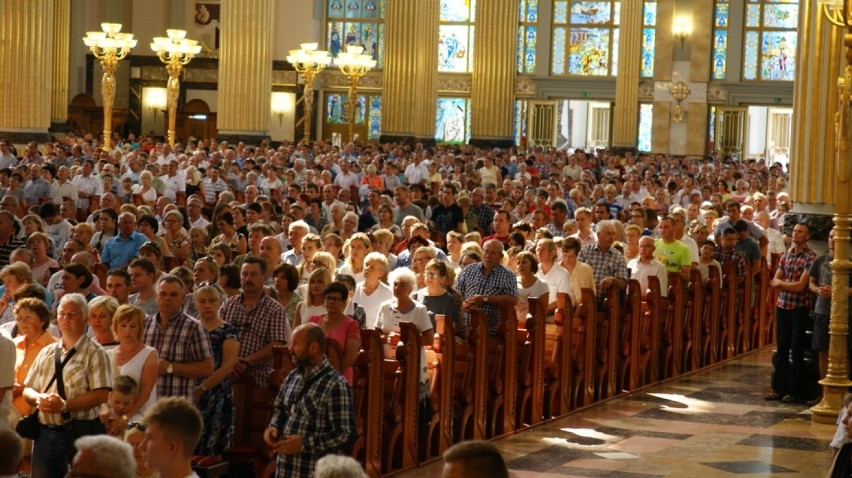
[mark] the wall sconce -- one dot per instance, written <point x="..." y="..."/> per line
<point x="155" y="100"/>
<point x="679" y="92"/>
<point x="682" y="29"/>
<point x="281" y="104"/>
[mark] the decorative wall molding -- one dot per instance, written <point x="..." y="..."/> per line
<point x="716" y="93"/>
<point x="335" y="79"/>
<point x="524" y="86"/>
<point x="646" y="89"/>
<point x="454" y="84"/>
<point x="284" y="77"/>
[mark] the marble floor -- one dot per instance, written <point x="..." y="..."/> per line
<point x="709" y="424"/>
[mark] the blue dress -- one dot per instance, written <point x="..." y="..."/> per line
<point x="217" y="404"/>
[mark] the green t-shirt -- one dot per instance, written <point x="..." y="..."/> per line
<point x="672" y="256"/>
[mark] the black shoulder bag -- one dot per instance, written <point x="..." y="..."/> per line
<point x="28" y="426"/>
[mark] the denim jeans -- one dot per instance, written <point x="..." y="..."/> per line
<point x="52" y="452"/>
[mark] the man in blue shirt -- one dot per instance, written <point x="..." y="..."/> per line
<point x="121" y="249"/>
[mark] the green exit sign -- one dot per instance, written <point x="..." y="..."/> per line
<point x="585" y="94"/>
<point x="779" y="100"/>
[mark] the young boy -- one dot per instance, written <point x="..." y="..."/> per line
<point x="121" y="398"/>
<point x="706" y="261"/>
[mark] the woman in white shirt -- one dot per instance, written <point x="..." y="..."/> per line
<point x="528" y="284"/>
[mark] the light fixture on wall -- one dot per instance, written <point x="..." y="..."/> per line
<point x="354" y="64"/>
<point x="309" y="62"/>
<point x="155" y="100"/>
<point x="281" y="105"/>
<point x="175" y="50"/>
<point x="679" y="92"/>
<point x="682" y="29"/>
<point x="109" y="46"/>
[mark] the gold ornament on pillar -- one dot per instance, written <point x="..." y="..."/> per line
<point x="679" y="92"/>
<point x="109" y="46"/>
<point x="354" y="64"/>
<point x="309" y="62"/>
<point x="836" y="382"/>
<point x="175" y="50"/>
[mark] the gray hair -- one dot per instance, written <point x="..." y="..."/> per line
<point x="79" y="300"/>
<point x="109" y="453"/>
<point x="338" y="466"/>
<point x="301" y="225"/>
<point x="404" y="274"/>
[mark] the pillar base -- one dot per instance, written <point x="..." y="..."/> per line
<point x="819" y="224"/>
<point x="492" y="142"/>
<point x="828" y="408"/>
<point x="235" y="137"/>
<point x="24" y="137"/>
<point x="397" y="138"/>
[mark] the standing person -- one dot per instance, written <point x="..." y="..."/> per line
<point x="791" y="313"/>
<point x="172" y="430"/>
<point x="646" y="266"/>
<point x="33" y="319"/>
<point x="216" y="401"/>
<point x="86" y="376"/>
<point x="299" y="436"/>
<point x="670" y="252"/>
<point x="132" y="358"/>
<point x="488" y="285"/>
<point x="339" y="327"/>
<point x="448" y="216"/>
<point x="820" y="284"/>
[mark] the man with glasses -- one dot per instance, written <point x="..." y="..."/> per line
<point x="488" y="285"/>
<point x="119" y="250"/>
<point x="193" y="208"/>
<point x="260" y="320"/>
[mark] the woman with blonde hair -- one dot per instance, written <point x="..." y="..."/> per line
<point x="33" y="223"/>
<point x="372" y="292"/>
<point x="314" y="303"/>
<point x="197" y="243"/>
<point x="194" y="183"/>
<point x="101" y="312"/>
<point x="135" y="359"/>
<point x="359" y="246"/>
<point x="39" y="244"/>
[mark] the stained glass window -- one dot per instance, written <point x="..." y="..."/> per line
<point x="585" y="37"/>
<point x="520" y="122"/>
<point x="649" y="35"/>
<point x="374" y="127"/>
<point x="527" y="35"/>
<point x="337" y="108"/>
<point x="646" y="126"/>
<point x="452" y="122"/>
<point x="720" y="39"/>
<point x="356" y="22"/>
<point x="455" y="36"/>
<point x="770" y="40"/>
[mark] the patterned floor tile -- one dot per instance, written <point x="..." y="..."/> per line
<point x="744" y="467"/>
<point x="790" y="443"/>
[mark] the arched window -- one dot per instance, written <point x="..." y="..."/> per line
<point x="770" y="40"/>
<point x="357" y="22"/>
<point x="527" y="35"/>
<point x="585" y="38"/>
<point x="455" y="36"/>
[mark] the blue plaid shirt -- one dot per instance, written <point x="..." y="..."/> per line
<point x="36" y="189"/>
<point x="323" y="415"/>
<point x="473" y="281"/>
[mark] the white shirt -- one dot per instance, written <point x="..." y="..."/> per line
<point x="66" y="189"/>
<point x="200" y="222"/>
<point x="693" y="247"/>
<point x="346" y="180"/>
<point x="172" y="184"/>
<point x="641" y="271"/>
<point x="91" y="186"/>
<point x="557" y="280"/>
<point x="60" y="233"/>
<point x="7" y="375"/>
<point x="416" y="173"/>
<point x="372" y="303"/>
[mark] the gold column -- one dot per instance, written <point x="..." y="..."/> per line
<point x="245" y="70"/>
<point x="426" y="91"/>
<point x="61" y="38"/>
<point x="402" y="29"/>
<point x="814" y="104"/>
<point x="25" y="79"/>
<point x="492" y="88"/>
<point x="625" y="124"/>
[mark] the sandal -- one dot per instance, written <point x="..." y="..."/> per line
<point x="772" y="396"/>
<point x="791" y="399"/>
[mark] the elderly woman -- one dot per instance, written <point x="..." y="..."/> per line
<point x="285" y="277"/>
<point x="215" y="394"/>
<point x="33" y="318"/>
<point x="581" y="273"/>
<point x="420" y="256"/>
<point x="529" y="285"/>
<point x="338" y="326"/>
<point x="335" y="222"/>
<point x="359" y="247"/>
<point x="229" y="235"/>
<point x="134" y="359"/>
<point x="145" y="189"/>
<point x="14" y="277"/>
<point x="350" y="226"/>
<point x="372" y="292"/>
<point x="175" y="236"/>
<point x="386" y="221"/>
<point x="39" y="244"/>
<point x="403" y="309"/>
<point x="101" y="311"/>
<point x="438" y="296"/>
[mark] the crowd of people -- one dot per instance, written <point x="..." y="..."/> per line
<point x="143" y="273"/>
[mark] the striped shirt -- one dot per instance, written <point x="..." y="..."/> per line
<point x="183" y="340"/>
<point x="89" y="369"/>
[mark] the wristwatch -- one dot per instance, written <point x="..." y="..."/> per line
<point x="485" y="299"/>
<point x="170" y="370"/>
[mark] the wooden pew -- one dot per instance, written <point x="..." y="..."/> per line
<point x="727" y="313"/>
<point x="672" y="329"/>
<point x="760" y="319"/>
<point x="743" y="319"/>
<point x="606" y="353"/>
<point x="558" y="370"/>
<point x="710" y="318"/>
<point x="583" y="340"/>
<point x="442" y="367"/>
<point x="253" y="406"/>
<point x="368" y="393"/>
<point x="477" y="342"/>
<point x="401" y="376"/>
<point x="530" y="392"/>
<point x="649" y="334"/>
<point x="505" y="380"/>
<point x="693" y="303"/>
<point x="628" y="346"/>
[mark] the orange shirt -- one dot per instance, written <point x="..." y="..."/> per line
<point x="25" y="356"/>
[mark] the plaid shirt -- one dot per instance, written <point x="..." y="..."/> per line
<point x="258" y="327"/>
<point x="793" y="264"/>
<point x="183" y="340"/>
<point x="473" y="281"/>
<point x="730" y="256"/>
<point x="323" y="415"/>
<point x="89" y="369"/>
<point x="604" y="264"/>
<point x="484" y="217"/>
<point x="37" y="189"/>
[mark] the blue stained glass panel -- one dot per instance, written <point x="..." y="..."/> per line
<point x="369" y="40"/>
<point x="453" y="48"/>
<point x="750" y="60"/>
<point x="648" y="44"/>
<point x="336" y="9"/>
<point x="335" y="37"/>
<point x="520" y="57"/>
<point x="336" y="109"/>
<point x="452" y="120"/>
<point x="590" y="13"/>
<point x="520" y="121"/>
<point x="522" y="9"/>
<point x="649" y="14"/>
<point x="455" y="10"/>
<point x="532" y="11"/>
<point x="360" y="109"/>
<point x="558" y="57"/>
<point x="371" y="9"/>
<point x="646" y="123"/>
<point x="720" y="54"/>
<point x="753" y="16"/>
<point x="381" y="60"/>
<point x="560" y="12"/>
<point x="781" y="16"/>
<point x="614" y="61"/>
<point x="529" y="53"/>
<point x="353" y="8"/>
<point x="353" y="34"/>
<point x="778" y="56"/>
<point x="588" y="52"/>
<point x="721" y="15"/>
<point x="374" y="127"/>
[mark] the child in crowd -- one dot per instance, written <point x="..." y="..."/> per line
<point x="706" y="261"/>
<point x="121" y="398"/>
